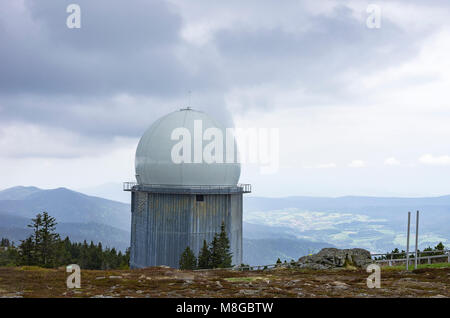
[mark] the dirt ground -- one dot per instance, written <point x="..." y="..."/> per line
<point x="164" y="282"/>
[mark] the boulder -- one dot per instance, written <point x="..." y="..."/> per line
<point x="329" y="258"/>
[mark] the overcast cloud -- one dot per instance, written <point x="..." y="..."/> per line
<point x="360" y="111"/>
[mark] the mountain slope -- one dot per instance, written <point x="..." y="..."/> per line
<point x="110" y="191"/>
<point x="15" y="228"/>
<point x="79" y="216"/>
<point x="273" y="227"/>
<point x="66" y="205"/>
<point x="17" y="193"/>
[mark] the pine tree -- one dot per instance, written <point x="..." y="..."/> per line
<point x="26" y="252"/>
<point x="125" y="262"/>
<point x="45" y="248"/>
<point x="94" y="257"/>
<point x="204" y="257"/>
<point x="224" y="243"/>
<point x="48" y="246"/>
<point x="65" y="252"/>
<point x="439" y="247"/>
<point x="214" y="252"/>
<point x="33" y="242"/>
<point x="395" y="254"/>
<point x="188" y="259"/>
<point x="13" y="255"/>
<point x="5" y="242"/>
<point x="220" y="250"/>
<point x="42" y="247"/>
<point x="84" y="255"/>
<point x="99" y="256"/>
<point x="114" y="263"/>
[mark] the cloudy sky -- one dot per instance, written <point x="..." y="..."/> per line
<point x="360" y="111"/>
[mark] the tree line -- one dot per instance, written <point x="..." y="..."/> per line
<point x="215" y="255"/>
<point x="45" y="248"/>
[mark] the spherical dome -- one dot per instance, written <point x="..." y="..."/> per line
<point x="154" y="154"/>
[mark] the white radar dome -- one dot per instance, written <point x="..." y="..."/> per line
<point x="155" y="159"/>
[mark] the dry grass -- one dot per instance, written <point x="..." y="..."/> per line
<point x="162" y="282"/>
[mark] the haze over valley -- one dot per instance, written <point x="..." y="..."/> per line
<point x="284" y="228"/>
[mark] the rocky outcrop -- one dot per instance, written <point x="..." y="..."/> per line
<point x="329" y="258"/>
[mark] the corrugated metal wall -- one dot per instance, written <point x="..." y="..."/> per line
<point x="163" y="225"/>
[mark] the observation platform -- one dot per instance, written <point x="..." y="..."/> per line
<point x="193" y="189"/>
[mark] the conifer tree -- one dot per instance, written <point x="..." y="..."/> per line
<point x="126" y="259"/>
<point x="34" y="241"/>
<point x="4" y="242"/>
<point x="204" y="257"/>
<point x="188" y="259"/>
<point x="48" y="245"/>
<point x="84" y="255"/>
<point x="439" y="247"/>
<point x="214" y="252"/>
<point x="224" y="243"/>
<point x="42" y="247"/>
<point x="114" y="255"/>
<point x="26" y="255"/>
<point x="220" y="250"/>
<point x="45" y="248"/>
<point x="65" y="252"/>
<point x="12" y="255"/>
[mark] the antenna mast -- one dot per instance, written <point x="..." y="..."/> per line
<point x="189" y="105"/>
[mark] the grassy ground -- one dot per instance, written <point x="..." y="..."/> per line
<point x="157" y="282"/>
<point x="419" y="266"/>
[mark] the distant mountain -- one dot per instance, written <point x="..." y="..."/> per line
<point x="17" y="193"/>
<point x="273" y="227"/>
<point x="110" y="191"/>
<point x="79" y="216"/>
<point x="108" y="235"/>
<point x="15" y="228"/>
<point x="66" y="205"/>
<point x="83" y="217"/>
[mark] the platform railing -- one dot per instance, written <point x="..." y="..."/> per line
<point x="246" y="187"/>
<point x="128" y="186"/>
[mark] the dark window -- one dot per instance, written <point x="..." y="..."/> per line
<point x="199" y="198"/>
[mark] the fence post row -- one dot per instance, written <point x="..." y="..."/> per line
<point x="389" y="257"/>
